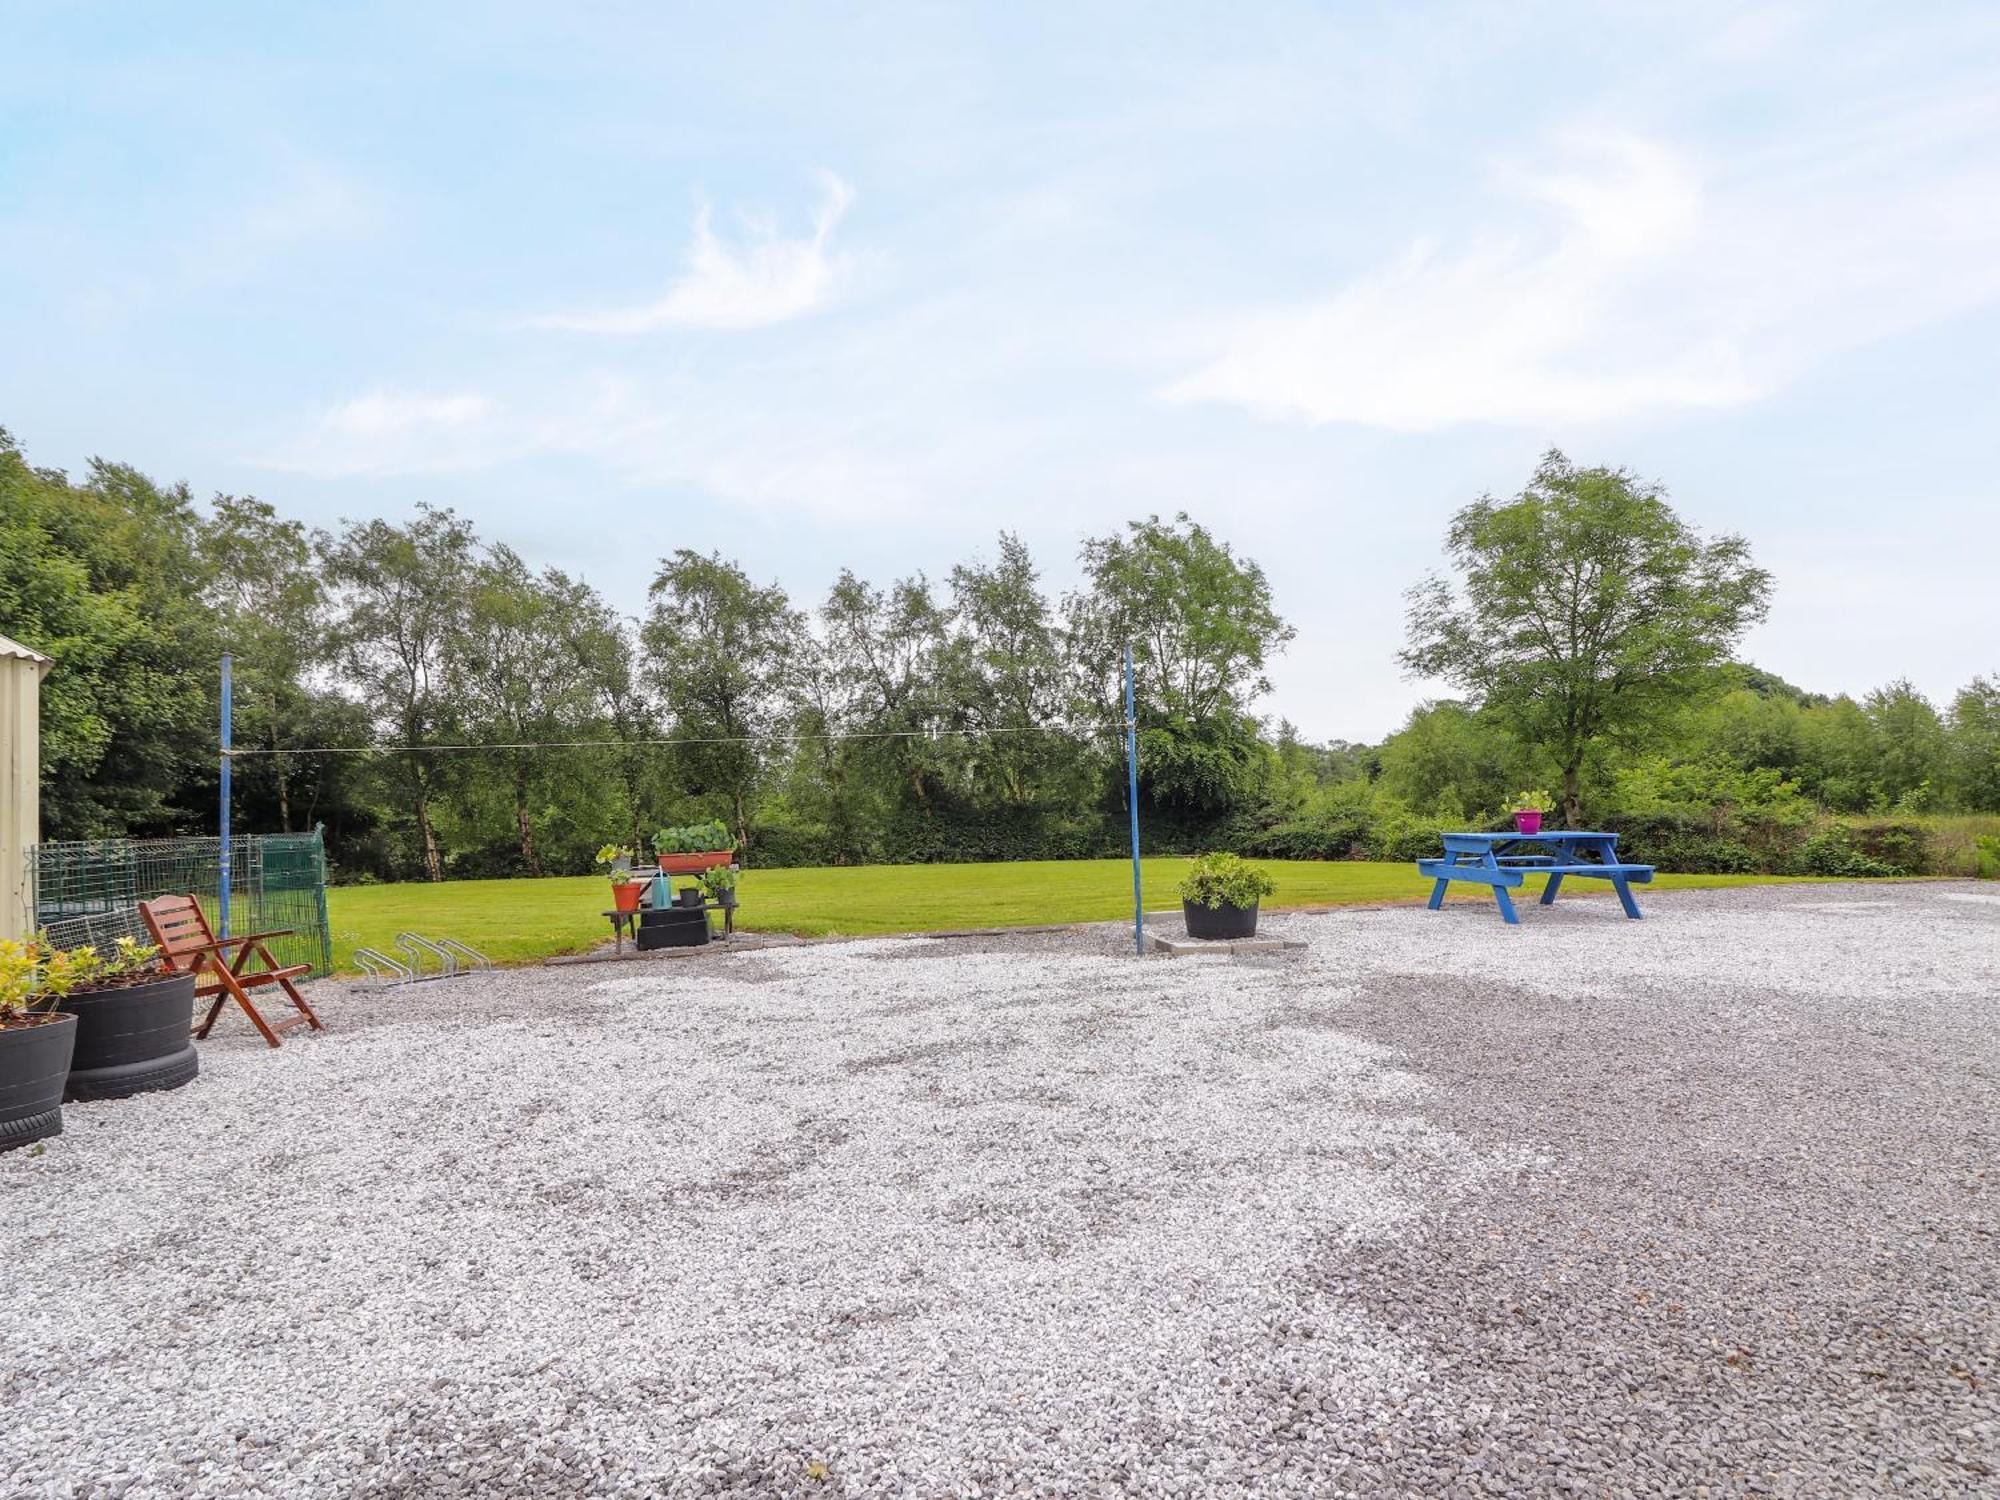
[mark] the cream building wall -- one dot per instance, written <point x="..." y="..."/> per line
<point x="21" y="674"/>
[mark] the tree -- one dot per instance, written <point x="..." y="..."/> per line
<point x="532" y="670"/>
<point x="1202" y="627"/>
<point x="105" y="578"/>
<point x="1587" y="611"/>
<point x="716" y="651"/>
<point x="1975" y="746"/>
<point x="273" y="617"/>
<point x="1910" y="744"/>
<point x="887" y="646"/>
<point x="1003" y="676"/>
<point x="1450" y="762"/>
<point x="403" y="593"/>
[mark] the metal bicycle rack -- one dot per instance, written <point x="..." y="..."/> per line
<point x="422" y="959"/>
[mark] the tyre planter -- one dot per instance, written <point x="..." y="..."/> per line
<point x="34" y="1065"/>
<point x="672" y="927"/>
<point x="1216" y="922"/>
<point x="133" y="1040"/>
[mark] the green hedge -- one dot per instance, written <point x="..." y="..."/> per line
<point x="1720" y="842"/>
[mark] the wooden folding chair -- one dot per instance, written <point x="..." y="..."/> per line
<point x="190" y="947"/>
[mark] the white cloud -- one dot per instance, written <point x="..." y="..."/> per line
<point x="1500" y="332"/>
<point x="389" y="431"/>
<point x="768" y="279"/>
<point x="1651" y="286"/>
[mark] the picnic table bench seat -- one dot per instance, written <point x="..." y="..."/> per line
<point x="1504" y="861"/>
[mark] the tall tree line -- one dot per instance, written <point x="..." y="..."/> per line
<point x="514" y="720"/>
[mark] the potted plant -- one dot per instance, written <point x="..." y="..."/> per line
<point x="35" y="1046"/>
<point x="1220" y="895"/>
<point x="1528" y="810"/>
<point x="719" y="884"/>
<point x="616" y="860"/>
<point x="694" y="849"/>
<point x="134" y="1019"/>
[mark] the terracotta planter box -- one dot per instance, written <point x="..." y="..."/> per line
<point x="695" y="864"/>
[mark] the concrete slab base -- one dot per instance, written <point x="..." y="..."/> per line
<point x="1187" y="947"/>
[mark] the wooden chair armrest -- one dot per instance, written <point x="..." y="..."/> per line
<point x="186" y="950"/>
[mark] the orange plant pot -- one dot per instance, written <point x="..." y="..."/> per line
<point x="626" y="894"/>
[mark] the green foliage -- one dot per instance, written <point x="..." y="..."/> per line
<point x="717" y="652"/>
<point x="714" y="882"/>
<point x="37" y="975"/>
<point x="914" y="723"/>
<point x="1988" y="858"/>
<point x="1533" y="801"/>
<point x="1835" y="851"/>
<point x="1216" y="880"/>
<point x="1587" y="611"/>
<point x="694" y="838"/>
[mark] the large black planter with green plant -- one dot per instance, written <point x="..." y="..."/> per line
<point x="133" y="1040"/>
<point x="34" y="1064"/>
<point x="1223" y="921"/>
<point x="1220" y="896"/>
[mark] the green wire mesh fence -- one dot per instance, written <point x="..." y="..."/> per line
<point x="89" y="890"/>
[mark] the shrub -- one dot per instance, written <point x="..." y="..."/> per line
<point x="1216" y="880"/>
<point x="1403" y="838"/>
<point x="1904" y="848"/>
<point x="1833" y="851"/>
<point x="1986" y="858"/>
<point x="1346" y="836"/>
<point x="1685" y="844"/>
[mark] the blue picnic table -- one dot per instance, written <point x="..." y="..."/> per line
<point x="1504" y="860"/>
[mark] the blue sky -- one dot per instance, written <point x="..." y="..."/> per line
<point x="821" y="290"/>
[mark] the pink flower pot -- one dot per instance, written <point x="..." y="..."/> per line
<point x="1527" y="822"/>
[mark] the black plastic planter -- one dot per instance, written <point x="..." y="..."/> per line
<point x="34" y="1063"/>
<point x="672" y="927"/>
<point x="134" y="1040"/>
<point x="1220" y="921"/>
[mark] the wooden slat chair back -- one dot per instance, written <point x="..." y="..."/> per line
<point x="190" y="947"/>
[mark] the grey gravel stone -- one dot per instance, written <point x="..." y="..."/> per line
<point x="1436" y="1207"/>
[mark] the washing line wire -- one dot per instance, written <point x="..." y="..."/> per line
<point x="244" y="751"/>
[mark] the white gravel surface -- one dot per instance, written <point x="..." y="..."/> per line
<point x="1439" y="1207"/>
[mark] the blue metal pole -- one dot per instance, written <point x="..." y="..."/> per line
<point x="1132" y="802"/>
<point x="222" y="901"/>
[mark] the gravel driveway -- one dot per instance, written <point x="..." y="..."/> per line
<point x="1699" y="1205"/>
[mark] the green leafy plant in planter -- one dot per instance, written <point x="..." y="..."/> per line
<point x="35" y="1045"/>
<point x="616" y="861"/>
<point x="134" y="1018"/>
<point x="1219" y="896"/>
<point x="694" y="838"/>
<point x="693" y="849"/>
<point x="719" y="885"/>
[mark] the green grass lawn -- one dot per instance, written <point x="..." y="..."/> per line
<point x="518" y="920"/>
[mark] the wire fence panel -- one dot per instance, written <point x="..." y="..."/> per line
<point x="89" y="890"/>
